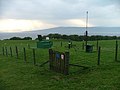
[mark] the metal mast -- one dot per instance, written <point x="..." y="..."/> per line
<point x="86" y="20"/>
<point x="86" y="32"/>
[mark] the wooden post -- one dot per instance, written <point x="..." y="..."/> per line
<point x="11" y="51"/>
<point x="66" y="63"/>
<point x="16" y="48"/>
<point x="6" y="51"/>
<point x="24" y="54"/>
<point x="34" y="59"/>
<point x="3" y="50"/>
<point x="97" y="45"/>
<point x="50" y="58"/>
<point x="61" y="43"/>
<point x="116" y="50"/>
<point x="83" y="46"/>
<point x="28" y="46"/>
<point x="99" y="51"/>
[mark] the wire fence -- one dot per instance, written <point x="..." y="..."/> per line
<point x="103" y="53"/>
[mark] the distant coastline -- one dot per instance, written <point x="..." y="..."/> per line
<point x="105" y="31"/>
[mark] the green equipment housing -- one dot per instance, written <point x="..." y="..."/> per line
<point x="44" y="43"/>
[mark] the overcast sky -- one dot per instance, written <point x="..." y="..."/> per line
<point x="20" y="15"/>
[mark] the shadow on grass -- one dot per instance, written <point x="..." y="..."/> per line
<point x="2" y="85"/>
<point x="81" y="70"/>
<point x="118" y="61"/>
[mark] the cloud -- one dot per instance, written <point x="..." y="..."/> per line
<point x="35" y="9"/>
<point x="105" y="22"/>
<point x="57" y="12"/>
<point x="18" y="25"/>
<point x="78" y="22"/>
<point x="54" y="9"/>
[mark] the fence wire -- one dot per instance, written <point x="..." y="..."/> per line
<point x="78" y="55"/>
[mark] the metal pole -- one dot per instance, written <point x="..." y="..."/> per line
<point x="86" y="32"/>
<point x="86" y="37"/>
<point x="86" y="20"/>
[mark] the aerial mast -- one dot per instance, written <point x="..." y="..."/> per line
<point x="86" y="20"/>
<point x="86" y="32"/>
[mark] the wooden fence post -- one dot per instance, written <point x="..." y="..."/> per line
<point x="6" y="51"/>
<point x="61" y="43"/>
<point x="50" y="59"/>
<point x="28" y="46"/>
<point x="116" y="50"/>
<point x="97" y="45"/>
<point x="3" y="50"/>
<point x="83" y="46"/>
<point x="16" y="48"/>
<point x="34" y="59"/>
<point x="24" y="54"/>
<point x="11" y="51"/>
<point x="99" y="51"/>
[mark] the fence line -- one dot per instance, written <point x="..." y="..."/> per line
<point x="5" y="53"/>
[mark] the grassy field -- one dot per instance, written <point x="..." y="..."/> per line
<point x="15" y="74"/>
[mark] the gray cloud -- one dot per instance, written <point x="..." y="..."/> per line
<point x="72" y="1"/>
<point x="53" y="10"/>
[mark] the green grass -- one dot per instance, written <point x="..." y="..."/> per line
<point x="15" y="74"/>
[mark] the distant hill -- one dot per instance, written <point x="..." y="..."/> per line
<point x="65" y="30"/>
